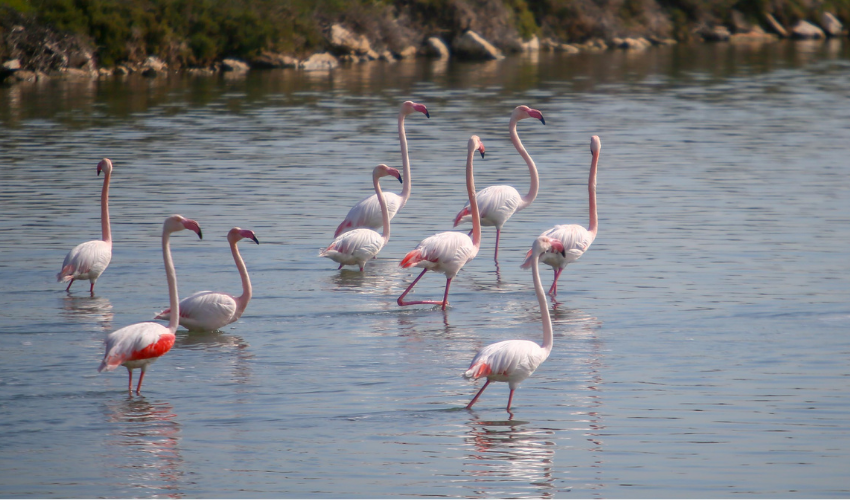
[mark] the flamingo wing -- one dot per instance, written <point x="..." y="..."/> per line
<point x="205" y="310"/>
<point x="135" y="342"/>
<point x="86" y="261"/>
<point x="354" y="246"/>
<point x="496" y="204"/>
<point x="576" y="240"/>
<point x="506" y="361"/>
<point x="445" y="252"/>
<point x="367" y="213"/>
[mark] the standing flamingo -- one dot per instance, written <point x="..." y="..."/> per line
<point x="212" y="310"/>
<point x="498" y="203"/>
<point x="367" y="212"/>
<point x="575" y="238"/>
<point x="513" y="361"/>
<point x="88" y="260"/>
<point x="140" y="344"/>
<point x="448" y="252"/>
<point x="357" y="246"/>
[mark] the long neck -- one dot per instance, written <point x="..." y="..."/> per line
<point x="243" y="273"/>
<point x="104" y="209"/>
<point x="405" y="161"/>
<point x="532" y="168"/>
<point x="171" y="276"/>
<point x="473" y="202"/>
<point x="591" y="192"/>
<point x="548" y="338"/>
<point x="385" y="214"/>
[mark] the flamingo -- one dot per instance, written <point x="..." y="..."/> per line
<point x="140" y="344"/>
<point x="498" y="203"/>
<point x="212" y="310"/>
<point x="574" y="237"/>
<point x="88" y="260"/>
<point x="367" y="212"/>
<point x="357" y="246"/>
<point x="449" y="251"/>
<point x="513" y="361"/>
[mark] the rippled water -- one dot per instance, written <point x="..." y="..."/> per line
<point x="701" y="345"/>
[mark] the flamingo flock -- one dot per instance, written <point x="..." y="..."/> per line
<point x="356" y="242"/>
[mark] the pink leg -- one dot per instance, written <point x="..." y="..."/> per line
<point x="91" y="289"/>
<point x="496" y="255"/>
<point x="469" y="406"/>
<point x="401" y="297"/>
<point x="141" y="377"/>
<point x="510" y="397"/>
<point x="340" y="267"/>
<point x="68" y="289"/>
<point x="130" y="382"/>
<point x="553" y="290"/>
<point x="446" y="293"/>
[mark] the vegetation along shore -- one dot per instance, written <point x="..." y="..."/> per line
<point x="99" y="38"/>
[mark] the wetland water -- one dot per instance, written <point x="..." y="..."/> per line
<point x="701" y="344"/>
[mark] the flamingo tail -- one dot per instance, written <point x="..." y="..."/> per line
<point x="477" y="371"/>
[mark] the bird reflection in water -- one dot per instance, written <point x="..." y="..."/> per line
<point x="510" y="450"/>
<point x="380" y="278"/>
<point x="87" y="309"/>
<point x="144" y="445"/>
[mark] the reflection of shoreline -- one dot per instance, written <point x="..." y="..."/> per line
<point x="144" y="439"/>
<point x="87" y="309"/>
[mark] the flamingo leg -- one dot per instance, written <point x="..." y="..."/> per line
<point x="401" y="301"/>
<point x="130" y="382"/>
<point x="68" y="289"/>
<point x="91" y="289"/>
<point x="340" y="267"/>
<point x="446" y="293"/>
<point x="141" y="377"/>
<point x="510" y="398"/>
<point x="496" y="255"/>
<point x="553" y="290"/>
<point x="469" y="406"/>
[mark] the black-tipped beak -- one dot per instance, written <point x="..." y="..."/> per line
<point x="563" y="253"/>
<point x="482" y="154"/>
<point x="543" y="121"/>
<point x="427" y="115"/>
<point x="400" y="179"/>
<point x="200" y="234"/>
<point x="255" y="240"/>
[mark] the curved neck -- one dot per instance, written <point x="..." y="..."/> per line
<point x="548" y="338"/>
<point x="405" y="161"/>
<point x="171" y="276"/>
<point x="385" y="214"/>
<point x="104" y="209"/>
<point x="591" y="192"/>
<point x="532" y="168"/>
<point x="473" y="202"/>
<point x="247" y="291"/>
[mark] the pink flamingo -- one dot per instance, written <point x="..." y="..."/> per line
<point x="88" y="260"/>
<point x="448" y="252"/>
<point x="212" y="310"/>
<point x="498" y="203"/>
<point x="574" y="237"/>
<point x="357" y="246"/>
<point x="367" y="212"/>
<point x="513" y="361"/>
<point x="140" y="344"/>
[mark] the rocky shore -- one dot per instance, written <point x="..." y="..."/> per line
<point x="34" y="53"/>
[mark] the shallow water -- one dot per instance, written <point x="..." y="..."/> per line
<point x="701" y="345"/>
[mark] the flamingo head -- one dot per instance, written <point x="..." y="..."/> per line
<point x="237" y="234"/>
<point x="178" y="223"/>
<point x="523" y="112"/>
<point x="408" y="107"/>
<point x="104" y="165"/>
<point x="385" y="171"/>
<point x="595" y="145"/>
<point x="543" y="244"/>
<point x="476" y="144"/>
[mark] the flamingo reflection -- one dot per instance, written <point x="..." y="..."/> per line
<point x="88" y="309"/>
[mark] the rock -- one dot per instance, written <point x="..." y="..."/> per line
<point x="533" y="45"/>
<point x="567" y="48"/>
<point x="831" y="25"/>
<point x="548" y="44"/>
<point x="122" y="70"/>
<point x="806" y="30"/>
<point x="209" y="71"/>
<point x="408" y="52"/>
<point x="82" y="58"/>
<point x="76" y="73"/>
<point x="631" y="43"/>
<point x="662" y="41"/>
<point x="270" y="60"/>
<point x="718" y="33"/>
<point x="104" y="73"/>
<point x="387" y="56"/>
<point x="471" y="45"/>
<point x="740" y="23"/>
<point x="25" y="76"/>
<point x="346" y="42"/>
<point x="775" y="26"/>
<point x="434" y="47"/>
<point x="320" y="61"/>
<point x="11" y="66"/>
<point x="153" y="66"/>
<point x="234" y="65"/>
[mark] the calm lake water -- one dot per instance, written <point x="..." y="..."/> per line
<point x="701" y="345"/>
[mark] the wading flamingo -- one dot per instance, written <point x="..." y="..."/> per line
<point x="88" y="260"/>
<point x="367" y="212"/>
<point x="212" y="310"/>
<point x="139" y="345"/>
<point x="575" y="238"/>
<point x="498" y="203"/>
<point x="356" y="247"/>
<point x="513" y="361"/>
<point x="448" y="252"/>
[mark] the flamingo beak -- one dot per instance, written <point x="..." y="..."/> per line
<point x="400" y="179"/>
<point x="422" y="109"/>
<point x="255" y="240"/>
<point x="558" y="247"/>
<point x="482" y="152"/>
<point x="193" y="226"/>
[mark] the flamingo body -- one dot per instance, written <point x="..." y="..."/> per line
<point x="445" y="253"/>
<point x="367" y="212"/>
<point x="355" y="247"/>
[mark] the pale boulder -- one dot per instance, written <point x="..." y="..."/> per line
<point x="472" y="46"/>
